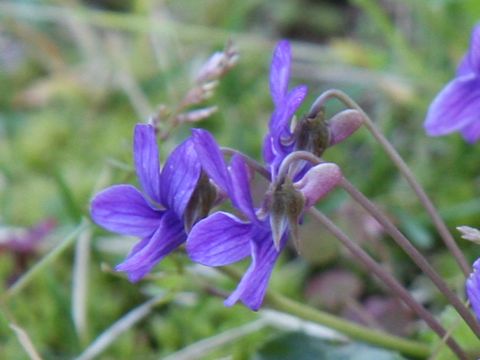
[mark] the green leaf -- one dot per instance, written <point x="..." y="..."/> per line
<point x="460" y="331"/>
<point x="300" y="346"/>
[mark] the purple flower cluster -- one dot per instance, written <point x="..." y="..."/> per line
<point x="175" y="202"/>
<point x="156" y="215"/>
<point x="457" y="106"/>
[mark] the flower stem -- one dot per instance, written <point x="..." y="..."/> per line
<point x="389" y="281"/>
<point x="414" y="254"/>
<point x="404" y="170"/>
<point x="250" y="162"/>
<point x="397" y="236"/>
<point x="353" y="330"/>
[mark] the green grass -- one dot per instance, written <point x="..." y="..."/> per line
<point x="74" y="80"/>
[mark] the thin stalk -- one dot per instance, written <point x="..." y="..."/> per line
<point x="250" y="162"/>
<point x="404" y="170"/>
<point x="352" y="330"/>
<point x="389" y="281"/>
<point x="397" y="236"/>
<point x="413" y="253"/>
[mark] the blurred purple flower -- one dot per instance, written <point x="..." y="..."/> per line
<point x="457" y="106"/>
<point x="473" y="288"/>
<point x="223" y="238"/>
<point x="27" y="241"/>
<point x="24" y="244"/>
<point x="156" y="215"/>
<point x="279" y="141"/>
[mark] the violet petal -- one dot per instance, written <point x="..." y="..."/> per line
<point x="219" y="239"/>
<point x="281" y="117"/>
<point x="124" y="210"/>
<point x="280" y="72"/>
<point x="470" y="62"/>
<point x="471" y="132"/>
<point x="457" y="105"/>
<point x="241" y="195"/>
<point x="148" y="252"/>
<point x="147" y="161"/>
<point x="253" y="286"/>
<point x="473" y="288"/>
<point x="268" y="150"/>
<point x="211" y="159"/>
<point x="474" y="50"/>
<point x="180" y="176"/>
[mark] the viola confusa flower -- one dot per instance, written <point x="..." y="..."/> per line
<point x="457" y="106"/>
<point x="473" y="288"/>
<point x="223" y="238"/>
<point x="156" y="215"/>
<point x="279" y="142"/>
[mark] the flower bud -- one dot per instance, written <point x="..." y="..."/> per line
<point x="344" y="124"/>
<point x="318" y="182"/>
<point x="313" y="134"/>
<point x="469" y="233"/>
<point x="286" y="207"/>
<point x="197" y="114"/>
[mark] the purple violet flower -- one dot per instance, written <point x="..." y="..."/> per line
<point x="473" y="288"/>
<point x="156" y="215"/>
<point x="278" y="143"/>
<point x="223" y="238"/>
<point x="457" y="106"/>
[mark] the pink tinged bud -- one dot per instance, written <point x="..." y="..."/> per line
<point x="344" y="124"/>
<point x="318" y="182"/>
<point x="197" y="115"/>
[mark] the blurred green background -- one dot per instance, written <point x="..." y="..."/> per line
<point x="75" y="77"/>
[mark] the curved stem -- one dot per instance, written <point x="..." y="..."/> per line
<point x="291" y="158"/>
<point x="413" y="253"/>
<point x="250" y="162"/>
<point x="353" y="330"/>
<point x="404" y="170"/>
<point x="389" y="281"/>
<point x="397" y="236"/>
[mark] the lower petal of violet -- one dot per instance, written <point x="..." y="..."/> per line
<point x="219" y="239"/>
<point x="149" y="251"/>
<point x="253" y="286"/>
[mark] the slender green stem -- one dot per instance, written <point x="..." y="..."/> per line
<point x="353" y="330"/>
<point x="45" y="261"/>
<point x="404" y="170"/>
<point x="394" y="286"/>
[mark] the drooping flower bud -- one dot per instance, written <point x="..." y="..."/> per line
<point x="469" y="233"/>
<point x="344" y="124"/>
<point x="313" y="134"/>
<point x="202" y="200"/>
<point x="287" y="205"/>
<point x="318" y="182"/>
